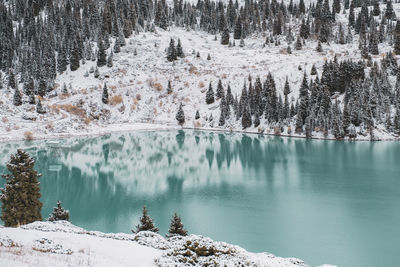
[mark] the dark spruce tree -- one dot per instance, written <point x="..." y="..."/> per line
<point x="75" y="58"/>
<point x="180" y="115"/>
<point x="210" y="95"/>
<point x="225" y="37"/>
<point x="171" y="52"/>
<point x="146" y="223"/>
<point x="197" y="115"/>
<point x="17" y="101"/>
<point x="20" y="196"/>
<point x="220" y="90"/>
<point x="59" y="213"/>
<point x="179" y="50"/>
<point x="101" y="55"/>
<point x="169" y="88"/>
<point x="176" y="227"/>
<point x="104" y="96"/>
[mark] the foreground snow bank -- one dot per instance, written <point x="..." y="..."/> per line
<point x="63" y="244"/>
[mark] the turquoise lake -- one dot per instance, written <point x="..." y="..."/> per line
<point x="320" y="201"/>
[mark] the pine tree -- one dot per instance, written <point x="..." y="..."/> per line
<point x="222" y="107"/>
<point x="180" y="115"/>
<point x="171" y="53"/>
<point x="101" y="55"/>
<point x="117" y="48"/>
<point x="225" y="37"/>
<point x="319" y="48"/>
<point x="208" y="57"/>
<point x="104" y="97"/>
<point x="59" y="214"/>
<point x="313" y="70"/>
<point x="237" y="34"/>
<point x="75" y="58"/>
<point x="20" y="196"/>
<point x="197" y="115"/>
<point x="11" y="79"/>
<point x="146" y="223"/>
<point x="179" y="50"/>
<point x="299" y="44"/>
<point x="246" y="117"/>
<point x="210" y="95"/>
<point x="376" y="11"/>
<point x="220" y="90"/>
<point x="17" y="101"/>
<point x="397" y="39"/>
<point x="169" y="88"/>
<point x="39" y="107"/>
<point x="176" y="227"/>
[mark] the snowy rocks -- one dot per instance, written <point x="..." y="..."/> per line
<point x="151" y="239"/>
<point x="29" y="117"/>
<point x="7" y="242"/>
<point x="49" y="246"/>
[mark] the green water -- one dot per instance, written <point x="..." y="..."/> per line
<point x="321" y="201"/>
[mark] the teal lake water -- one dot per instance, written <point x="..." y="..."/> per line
<point x="320" y="201"/>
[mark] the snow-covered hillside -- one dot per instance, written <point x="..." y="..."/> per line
<point x="63" y="244"/>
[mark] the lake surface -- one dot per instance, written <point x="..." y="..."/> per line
<point x="320" y="201"/>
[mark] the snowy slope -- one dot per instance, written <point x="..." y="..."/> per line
<point x="63" y="244"/>
<point x="140" y="81"/>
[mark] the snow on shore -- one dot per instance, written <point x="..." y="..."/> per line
<point x="63" y="244"/>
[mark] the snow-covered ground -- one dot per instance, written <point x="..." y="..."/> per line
<point x="63" y="244"/>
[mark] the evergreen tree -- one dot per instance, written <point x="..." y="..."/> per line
<point x="17" y="101"/>
<point x="246" y="117"/>
<point x="169" y="88"/>
<point x="197" y="116"/>
<point x="176" y="227"/>
<point x="59" y="214"/>
<point x="101" y="55"/>
<point x="179" y="50"/>
<point x="220" y="90"/>
<point x="222" y="107"/>
<point x="11" y="79"/>
<point x="20" y="196"/>
<point x="75" y="58"/>
<point x="146" y="223"/>
<point x="39" y="107"/>
<point x="225" y="37"/>
<point x="210" y="95"/>
<point x="299" y="44"/>
<point x="397" y="39"/>
<point x="104" y="97"/>
<point x="180" y="115"/>
<point x="171" y="53"/>
<point x="237" y="34"/>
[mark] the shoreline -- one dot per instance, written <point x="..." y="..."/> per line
<point x="142" y="126"/>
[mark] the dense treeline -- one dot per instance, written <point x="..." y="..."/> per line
<point x="40" y="39"/>
<point x="368" y="100"/>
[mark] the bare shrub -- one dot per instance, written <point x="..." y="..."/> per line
<point x="201" y="84"/>
<point x="157" y="86"/>
<point x="115" y="100"/>
<point x="4" y="119"/>
<point x="28" y="135"/>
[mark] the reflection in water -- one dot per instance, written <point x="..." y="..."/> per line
<point x="322" y="201"/>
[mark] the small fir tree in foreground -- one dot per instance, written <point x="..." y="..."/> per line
<point x="20" y="196"/>
<point x="146" y="223"/>
<point x="180" y="115"/>
<point x="176" y="227"/>
<point x="59" y="213"/>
